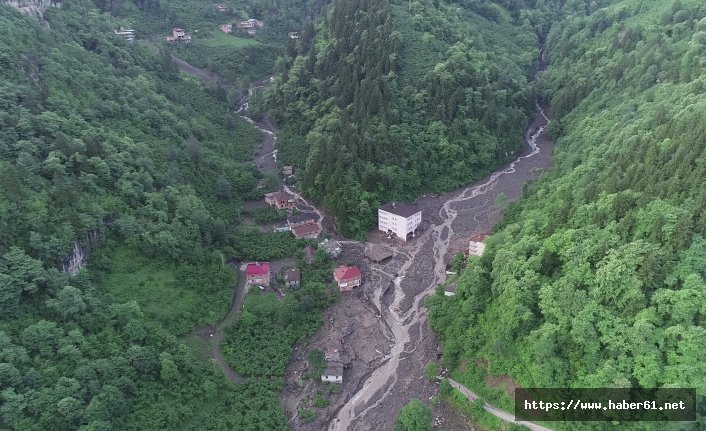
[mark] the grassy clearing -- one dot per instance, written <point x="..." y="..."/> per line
<point x="222" y="39"/>
<point x="177" y="296"/>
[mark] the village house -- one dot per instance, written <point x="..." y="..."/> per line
<point x="258" y="273"/>
<point x="126" y="33"/>
<point x="251" y="23"/>
<point x="178" y="35"/>
<point x="293" y="35"/>
<point x="377" y="253"/>
<point x="331" y="247"/>
<point x="281" y="200"/>
<point x="226" y="28"/>
<point x="288" y="170"/>
<point x="307" y="231"/>
<point x="302" y="219"/>
<point x="399" y="219"/>
<point x="222" y="7"/>
<point x="333" y="373"/>
<point x="334" y="353"/>
<point x="292" y="278"/>
<point x="476" y="247"/>
<point x="347" y="277"/>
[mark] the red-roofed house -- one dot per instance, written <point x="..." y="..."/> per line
<point x="258" y="273"/>
<point x="347" y="277"/>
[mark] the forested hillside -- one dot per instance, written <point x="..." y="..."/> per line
<point x="598" y="277"/>
<point x="238" y="57"/>
<point x="101" y="136"/>
<point x="388" y="99"/>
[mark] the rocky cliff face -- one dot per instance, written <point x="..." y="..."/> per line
<point x="32" y="7"/>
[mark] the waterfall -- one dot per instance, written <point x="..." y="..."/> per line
<point x="78" y="257"/>
<point x="76" y="260"/>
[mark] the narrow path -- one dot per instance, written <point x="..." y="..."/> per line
<point x="239" y="292"/>
<point x="267" y="164"/>
<point x="205" y="75"/>
<point x="301" y="198"/>
<point x="501" y="414"/>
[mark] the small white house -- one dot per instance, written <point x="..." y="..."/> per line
<point x="399" y="219"/>
<point x="333" y="373"/>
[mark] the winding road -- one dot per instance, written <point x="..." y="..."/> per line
<point x="507" y="417"/>
<point x="267" y="163"/>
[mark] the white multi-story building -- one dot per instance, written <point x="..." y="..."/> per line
<point x="400" y="219"/>
<point x="476" y="247"/>
<point x="126" y="33"/>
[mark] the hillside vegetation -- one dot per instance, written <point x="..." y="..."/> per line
<point x="101" y="136"/>
<point x="238" y="57"/>
<point x="388" y="99"/>
<point x="598" y="277"/>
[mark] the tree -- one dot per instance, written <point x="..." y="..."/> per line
<point x="414" y="416"/>
<point x="317" y="361"/>
<point x="26" y="272"/>
<point x="10" y="293"/>
<point x="71" y="409"/>
<point x="223" y="188"/>
<point x="68" y="302"/>
<point x="458" y="262"/>
<point x="169" y="372"/>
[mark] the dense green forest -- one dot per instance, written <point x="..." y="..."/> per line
<point x="387" y="99"/>
<point x="598" y="277"/>
<point x="105" y="143"/>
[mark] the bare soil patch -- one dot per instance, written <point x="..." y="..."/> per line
<point x="503" y="381"/>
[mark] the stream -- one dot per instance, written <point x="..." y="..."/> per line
<point x="405" y="316"/>
<point x="399" y="291"/>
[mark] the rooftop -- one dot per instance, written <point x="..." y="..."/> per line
<point x="478" y="237"/>
<point x="333" y="369"/>
<point x="402" y="210"/>
<point x="346" y="273"/>
<point x="330" y="245"/>
<point x="280" y="196"/>
<point x="257" y="268"/>
<point x="377" y="253"/>
<point x="308" y="229"/>
<point x="292" y="275"/>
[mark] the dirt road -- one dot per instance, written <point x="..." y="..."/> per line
<point x="205" y="75"/>
<point x="214" y="335"/>
<point x="267" y="163"/>
<point x="507" y="417"/>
